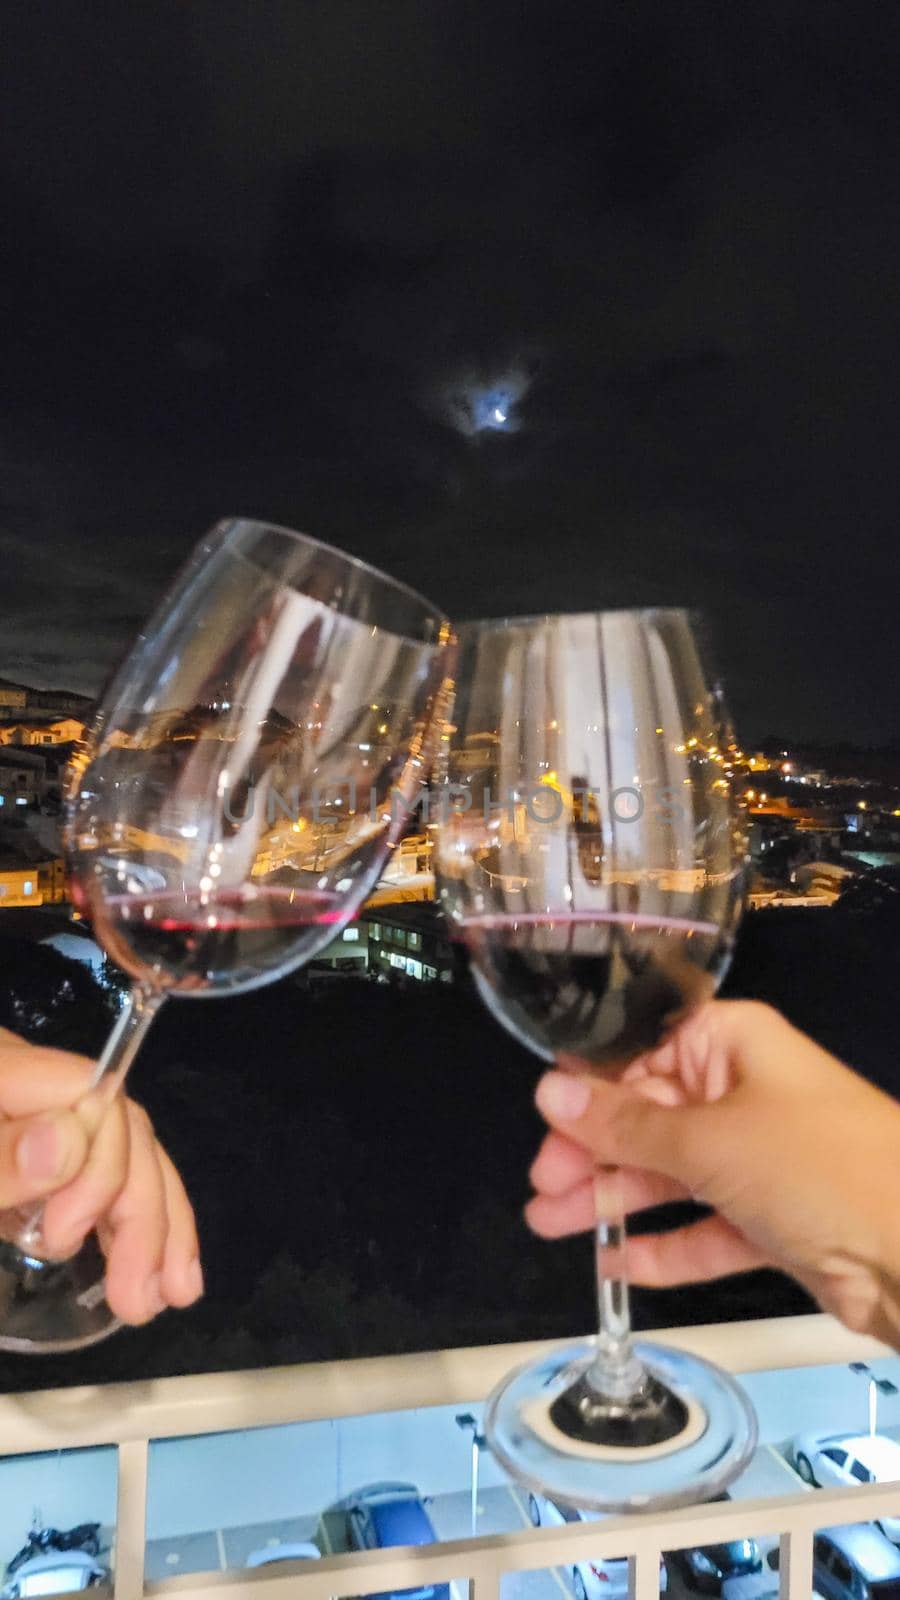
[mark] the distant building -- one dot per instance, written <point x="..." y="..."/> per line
<point x="19" y="885"/>
<point x="760" y="899"/>
<point x="59" y="730"/>
<point x="411" y="941"/>
<point x="13" y="696"/>
<point x="30" y="873"/>
<point x="23" y="777"/>
<point x="407" y="875"/>
<point x="59" y="702"/>
<point x="397" y="942"/>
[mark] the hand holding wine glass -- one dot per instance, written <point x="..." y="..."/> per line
<point x="742" y="1111"/>
<point x="590" y="860"/>
<point x="110" y="1172"/>
<point x="250" y="769"/>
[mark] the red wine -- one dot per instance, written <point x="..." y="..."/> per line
<point x="203" y="942"/>
<point x="597" y="985"/>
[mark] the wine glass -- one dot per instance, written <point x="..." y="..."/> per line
<point x="589" y="856"/>
<point x="250" y="768"/>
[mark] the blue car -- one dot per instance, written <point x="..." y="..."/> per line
<point x="388" y="1514"/>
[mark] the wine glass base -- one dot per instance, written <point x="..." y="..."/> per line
<point x="696" y="1463"/>
<point x="49" y="1307"/>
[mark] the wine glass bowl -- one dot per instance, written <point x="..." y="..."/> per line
<point x="250" y="768"/>
<point x="241" y="792"/>
<point x="591" y="859"/>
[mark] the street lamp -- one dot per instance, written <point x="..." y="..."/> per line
<point x="465" y="1420"/>
<point x="876" y="1386"/>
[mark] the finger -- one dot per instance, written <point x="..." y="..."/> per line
<point x="623" y="1125"/>
<point x="9" y="1039"/>
<point x="708" y="1249"/>
<point x="182" y="1275"/>
<point x="34" y="1078"/>
<point x="134" y="1235"/>
<point x="38" y="1155"/>
<point x="555" y="1216"/>
<point x="72" y="1212"/>
<point x="559" y="1165"/>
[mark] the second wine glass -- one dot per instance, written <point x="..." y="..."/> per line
<point x="590" y="858"/>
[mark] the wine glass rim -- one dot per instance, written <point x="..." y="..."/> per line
<point x="226" y="525"/>
<point x="690" y="613"/>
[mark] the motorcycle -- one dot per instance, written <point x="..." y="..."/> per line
<point x="55" y="1559"/>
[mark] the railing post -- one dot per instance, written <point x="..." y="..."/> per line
<point x="485" y="1586"/>
<point x="795" y="1565"/>
<point x="131" y="1520"/>
<point x="643" y="1575"/>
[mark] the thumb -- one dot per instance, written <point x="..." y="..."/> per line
<point x="622" y="1125"/>
<point x="39" y="1154"/>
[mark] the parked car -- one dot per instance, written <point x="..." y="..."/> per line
<point x="302" y="1551"/>
<point x="845" y="1459"/>
<point x="761" y="1585"/>
<point x="57" y="1572"/>
<point x="601" y="1579"/>
<point x="856" y="1562"/>
<point x="706" y="1568"/>
<point x="387" y="1514"/>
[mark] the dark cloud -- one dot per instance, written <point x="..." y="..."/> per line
<point x="259" y="251"/>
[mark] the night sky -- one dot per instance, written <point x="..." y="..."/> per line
<point x="275" y="258"/>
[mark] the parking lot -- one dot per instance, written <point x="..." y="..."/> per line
<point x="500" y="1510"/>
<point x="214" y="1500"/>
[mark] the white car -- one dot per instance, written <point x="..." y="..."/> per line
<point x="58" y="1572"/>
<point x="591" y="1580"/>
<point x="752" y="1586"/>
<point x="302" y="1551"/>
<point x="845" y="1459"/>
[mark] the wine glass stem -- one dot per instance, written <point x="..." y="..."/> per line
<point x="616" y="1372"/>
<point x="24" y="1226"/>
<point x="123" y="1044"/>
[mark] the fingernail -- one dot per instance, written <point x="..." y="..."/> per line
<point x="563" y="1096"/>
<point x="155" y="1301"/>
<point x="193" y="1278"/>
<point x="41" y="1151"/>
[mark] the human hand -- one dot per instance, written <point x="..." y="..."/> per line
<point x="96" y="1162"/>
<point x="797" y="1155"/>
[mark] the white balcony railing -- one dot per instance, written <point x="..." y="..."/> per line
<point x="130" y="1416"/>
